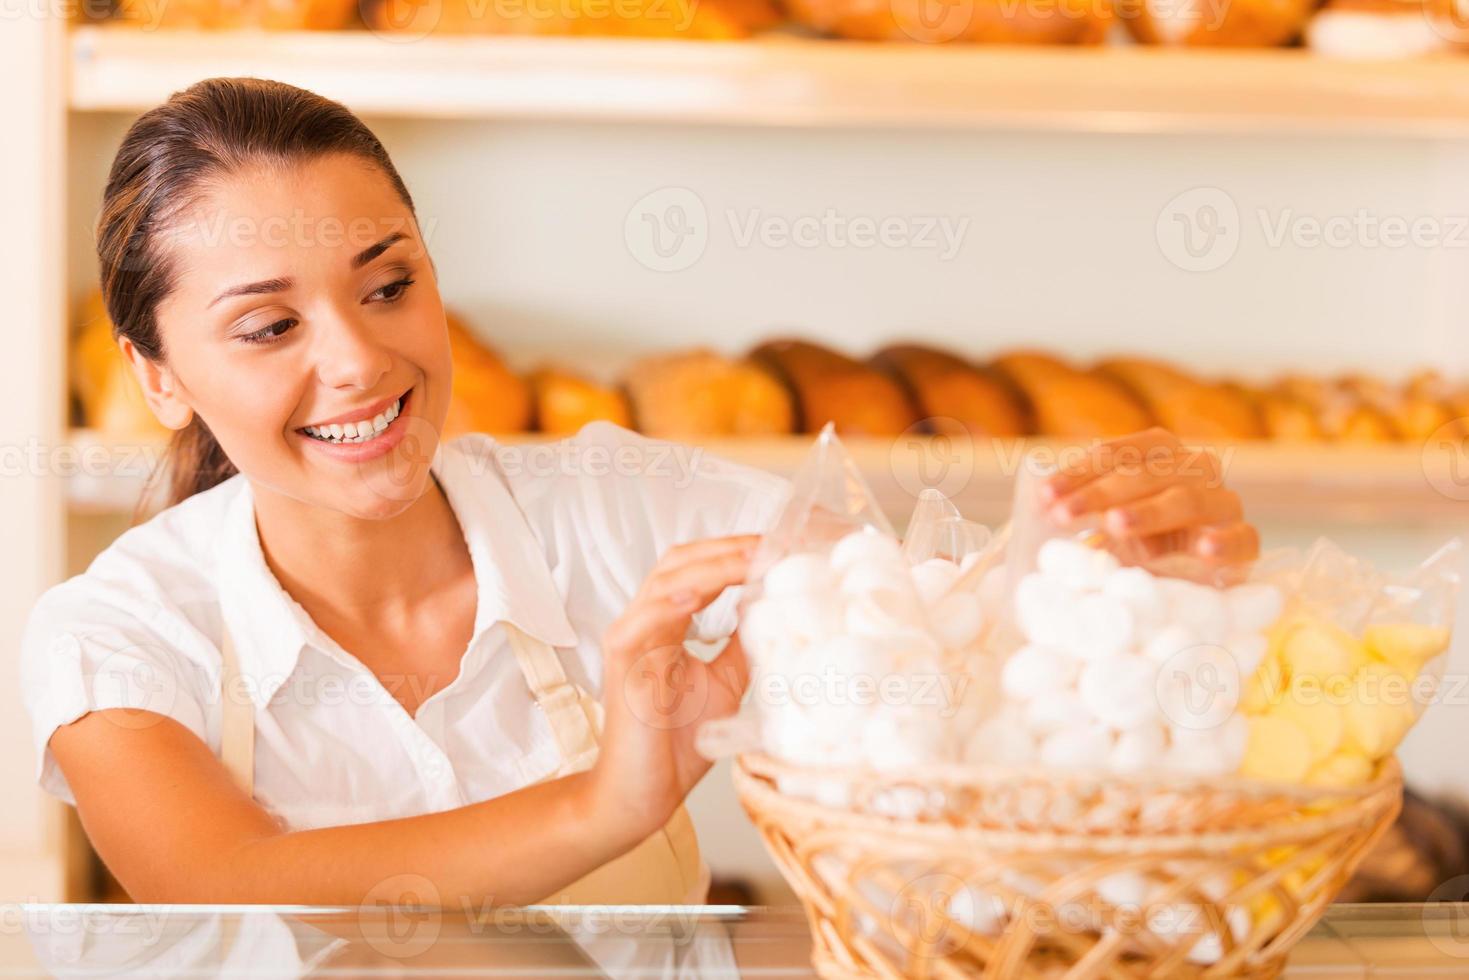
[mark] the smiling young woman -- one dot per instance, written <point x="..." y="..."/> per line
<point x="351" y="662"/>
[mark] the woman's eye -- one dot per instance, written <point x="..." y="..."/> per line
<point x="392" y="292"/>
<point x="266" y="335"/>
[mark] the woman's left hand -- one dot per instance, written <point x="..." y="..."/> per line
<point x="1155" y="497"/>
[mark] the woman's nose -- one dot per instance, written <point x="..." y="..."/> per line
<point x="349" y="355"/>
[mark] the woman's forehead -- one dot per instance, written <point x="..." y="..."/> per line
<point x="328" y="209"/>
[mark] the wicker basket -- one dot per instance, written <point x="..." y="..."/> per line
<point x="962" y="872"/>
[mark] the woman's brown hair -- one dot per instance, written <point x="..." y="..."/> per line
<point x="167" y="161"/>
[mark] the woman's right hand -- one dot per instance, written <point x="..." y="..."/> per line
<point x="656" y="694"/>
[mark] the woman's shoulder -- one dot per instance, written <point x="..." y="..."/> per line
<point x="156" y="577"/>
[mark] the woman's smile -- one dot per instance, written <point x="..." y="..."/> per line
<point x="363" y="435"/>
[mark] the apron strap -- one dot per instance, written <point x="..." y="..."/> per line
<point x="237" y="726"/>
<point x="573" y="716"/>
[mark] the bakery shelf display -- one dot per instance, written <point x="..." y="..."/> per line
<point x="1386" y="483"/>
<point x="783" y="80"/>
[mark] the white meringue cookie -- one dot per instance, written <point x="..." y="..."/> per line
<point x="1077" y="747"/>
<point x="1169" y="642"/>
<point x="1001" y="741"/>
<point x="1104" y="628"/>
<point x="1075" y="565"/>
<point x="896" y="738"/>
<point x="1140" y="591"/>
<point x="1033" y="671"/>
<point x="798" y="574"/>
<point x="1121" y="691"/>
<point x="978" y="911"/>
<point x="1248" y="651"/>
<point x="957" y="620"/>
<point x="1045" y="610"/>
<point x="1254" y="607"/>
<point x="1125" y="889"/>
<point x="932" y="579"/>
<point x="1197" y="607"/>
<point x="1199" y="688"/>
<point x="865" y="546"/>
<point x="1139" y="750"/>
<point x="1054" y="710"/>
<point x="1207" y="753"/>
<point x="883" y="614"/>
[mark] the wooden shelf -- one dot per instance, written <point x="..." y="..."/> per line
<point x="783" y="80"/>
<point x="1394" y="484"/>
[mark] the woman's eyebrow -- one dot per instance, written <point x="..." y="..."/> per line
<point x="254" y="289"/>
<point x="373" y="251"/>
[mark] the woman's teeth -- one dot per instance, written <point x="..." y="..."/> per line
<point x="355" y="431"/>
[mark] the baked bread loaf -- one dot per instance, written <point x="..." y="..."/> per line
<point x="830" y="387"/>
<point x="1342" y="414"/>
<point x="1064" y="402"/>
<point x="1414" y="411"/>
<point x="701" y="393"/>
<point x="982" y="21"/>
<point x="233" y="15"/>
<point x="1283" y="417"/>
<point x="685" y="19"/>
<point x="107" y="393"/>
<point x="954" y="396"/>
<point x="1189" y="407"/>
<point x="485" y="395"/>
<point x="1196" y="23"/>
<point x="563" y="402"/>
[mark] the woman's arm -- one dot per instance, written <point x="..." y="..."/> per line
<point x="172" y="826"/>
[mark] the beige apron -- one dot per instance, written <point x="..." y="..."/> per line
<point x="665" y="869"/>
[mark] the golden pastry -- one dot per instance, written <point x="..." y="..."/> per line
<point x="702" y="393"/>
<point x="485" y="395"/>
<point x="1189" y="407"/>
<point x="564" y="402"/>
<point x="105" y="388"/>
<point x="984" y="21"/>
<point x="1068" y="403"/>
<point x="1200" y="23"/>
<point x="956" y="397"/>
<point x="831" y="387"/>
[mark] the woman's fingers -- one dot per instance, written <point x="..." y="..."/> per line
<point x="1182" y="505"/>
<point x="1131" y="451"/>
<point x="1230" y="543"/>
<point x="680" y="559"/>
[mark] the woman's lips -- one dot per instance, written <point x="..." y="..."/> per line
<point x="381" y="443"/>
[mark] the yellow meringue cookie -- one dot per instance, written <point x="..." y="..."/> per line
<point x="1311" y="710"/>
<point x="1380" y="710"/>
<point x="1277" y="750"/>
<point x="1345" y="768"/>
<point x="1264" y="688"/>
<point x="1406" y="646"/>
<point x="1316" y="649"/>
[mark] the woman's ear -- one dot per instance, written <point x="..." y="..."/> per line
<point x="160" y="387"/>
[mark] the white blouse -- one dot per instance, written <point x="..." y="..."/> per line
<point x="561" y="535"/>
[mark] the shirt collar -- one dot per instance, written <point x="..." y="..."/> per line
<point x="514" y="584"/>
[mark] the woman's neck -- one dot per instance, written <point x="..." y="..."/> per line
<point x="362" y="570"/>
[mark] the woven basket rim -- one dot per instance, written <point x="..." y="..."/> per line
<point x="986" y="776"/>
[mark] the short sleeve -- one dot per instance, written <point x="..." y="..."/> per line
<point x="653" y="494"/>
<point x="80" y="655"/>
